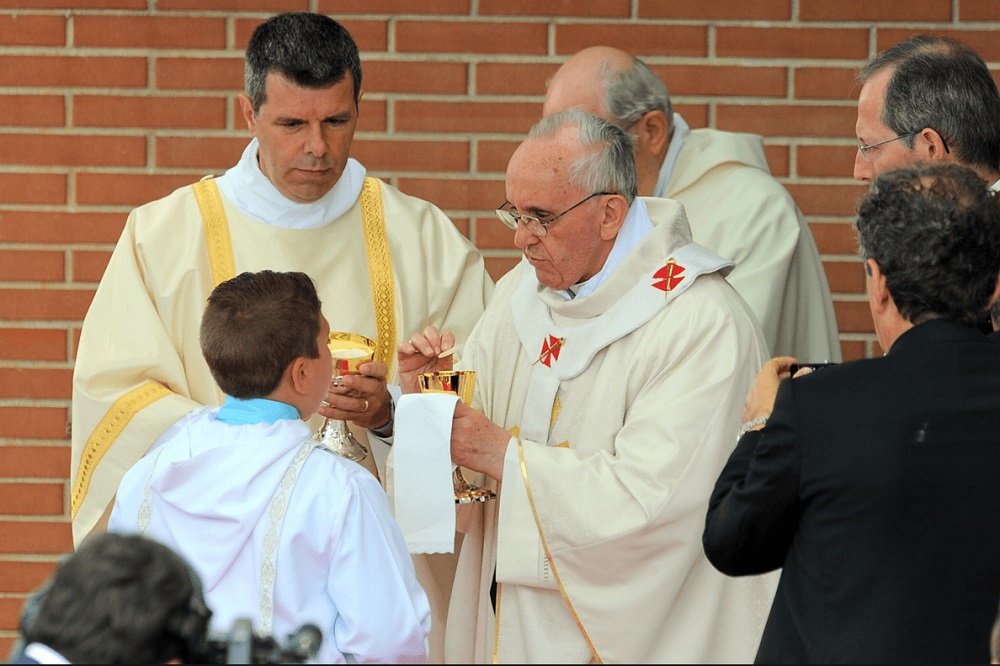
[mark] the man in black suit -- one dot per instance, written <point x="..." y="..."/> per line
<point x="873" y="484"/>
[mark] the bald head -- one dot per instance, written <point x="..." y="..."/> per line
<point x="580" y="82"/>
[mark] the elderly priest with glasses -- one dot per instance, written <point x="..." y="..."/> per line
<point x="611" y="368"/>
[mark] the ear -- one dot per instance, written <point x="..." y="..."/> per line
<point x="653" y="132"/>
<point x="248" y="116"/>
<point x="878" y="294"/>
<point x="300" y="379"/>
<point x="931" y="145"/>
<point x="615" y="211"/>
<point x="361" y="96"/>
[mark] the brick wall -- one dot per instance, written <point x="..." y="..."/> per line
<point x="106" y="104"/>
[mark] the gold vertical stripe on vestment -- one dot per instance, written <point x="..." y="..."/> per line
<point x="105" y="434"/>
<point x="217" y="238"/>
<point x="380" y="271"/>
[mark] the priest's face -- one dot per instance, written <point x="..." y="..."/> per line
<point x="305" y="135"/>
<point x="574" y="247"/>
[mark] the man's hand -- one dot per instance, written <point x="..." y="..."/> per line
<point x="422" y="353"/>
<point x="362" y="398"/>
<point x="760" y="399"/>
<point x="477" y="442"/>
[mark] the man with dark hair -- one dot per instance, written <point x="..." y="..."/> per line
<point x="294" y="202"/>
<point x="282" y="530"/>
<point x="872" y="485"/>
<point x="927" y="99"/>
<point x="736" y="208"/>
<point x="119" y="599"/>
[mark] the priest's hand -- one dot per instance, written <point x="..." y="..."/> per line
<point x="477" y="442"/>
<point x="427" y="351"/>
<point x="362" y="398"/>
<point x="760" y="399"/>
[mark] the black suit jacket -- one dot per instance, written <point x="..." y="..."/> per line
<point x="875" y="486"/>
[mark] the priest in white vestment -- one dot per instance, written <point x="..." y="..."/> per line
<point x="611" y="368"/>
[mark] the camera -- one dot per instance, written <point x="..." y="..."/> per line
<point x="795" y="367"/>
<point x="243" y="646"/>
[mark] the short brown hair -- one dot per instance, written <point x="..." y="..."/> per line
<point x="255" y="325"/>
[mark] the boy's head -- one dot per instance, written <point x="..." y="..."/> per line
<point x="261" y="329"/>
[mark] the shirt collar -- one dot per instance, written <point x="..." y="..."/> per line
<point x="670" y="159"/>
<point x="256" y="410"/>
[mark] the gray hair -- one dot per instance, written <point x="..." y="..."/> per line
<point x="942" y="84"/>
<point x="310" y="50"/>
<point x="631" y="93"/>
<point x="610" y="166"/>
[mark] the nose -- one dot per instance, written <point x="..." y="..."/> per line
<point x="315" y="142"/>
<point x="522" y="237"/>
<point x="863" y="169"/>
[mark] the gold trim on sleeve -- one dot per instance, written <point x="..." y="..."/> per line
<point x="548" y="555"/>
<point x="380" y="271"/>
<point x="217" y="239"/>
<point x="107" y="431"/>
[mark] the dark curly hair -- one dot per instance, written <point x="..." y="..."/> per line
<point x="935" y="234"/>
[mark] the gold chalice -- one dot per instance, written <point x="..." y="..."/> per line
<point x="463" y="384"/>
<point x="349" y="351"/>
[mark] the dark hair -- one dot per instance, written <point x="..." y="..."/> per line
<point x="935" y="234"/>
<point x="254" y="326"/>
<point x="121" y="599"/>
<point x="310" y="50"/>
<point x="942" y="84"/>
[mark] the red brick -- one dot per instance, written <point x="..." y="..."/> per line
<point x="32" y="499"/>
<point x="874" y="10"/>
<point x="198" y="73"/>
<point x="113" y="189"/>
<point x="556" y="8"/>
<point x="845" y="277"/>
<point x="74" y="4"/>
<point x="427" y="78"/>
<point x="467" y="116"/>
<point x="492" y="234"/>
<point x="373" y="115"/>
<point x="787" y="119"/>
<point x="33" y="188"/>
<point x="338" y="8"/>
<point x="826" y="199"/>
<point x="7" y="644"/>
<point x="44" y="304"/>
<point x="20" y="537"/>
<point x="478" y="37"/>
<point x="149" y="112"/>
<point x="39" y="462"/>
<point x="977" y="10"/>
<point x="10" y="612"/>
<point x="853" y="350"/>
<point x="24" y="577"/>
<point x="835" y="237"/>
<point x="826" y="83"/>
<point x="724" y="81"/>
<point x="758" y="10"/>
<point x="32" y="30"/>
<point x="89" y="265"/>
<point x="73" y="71"/>
<point x="33" y="110"/>
<point x="370" y="35"/>
<point x="32" y="344"/>
<point x="76" y="341"/>
<point x="214" y="154"/>
<point x="32" y="423"/>
<point x="507" y="78"/>
<point x="650" y="40"/>
<point x="853" y="317"/>
<point x="273" y="6"/>
<point x="793" y="42"/>
<point x="826" y="161"/>
<point x="983" y="42"/>
<point x="777" y="160"/>
<point x="72" y="150"/>
<point x="400" y="155"/>
<point x="493" y="156"/>
<point x="695" y="115"/>
<point x="455" y="194"/>
<point x="497" y="267"/>
<point x="462" y="224"/>
<point x="149" y="32"/>
<point x="32" y="265"/>
<point x="19" y="226"/>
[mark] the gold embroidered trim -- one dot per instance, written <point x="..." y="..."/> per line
<point x="548" y="555"/>
<point x="217" y="238"/>
<point x="106" y="432"/>
<point x="145" y="515"/>
<point x="496" y="626"/>
<point x="380" y="270"/>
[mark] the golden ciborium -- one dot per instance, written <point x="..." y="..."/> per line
<point x="463" y="384"/>
<point x="349" y="351"/>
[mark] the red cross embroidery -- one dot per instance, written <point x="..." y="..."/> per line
<point x="669" y="276"/>
<point x="550" y="350"/>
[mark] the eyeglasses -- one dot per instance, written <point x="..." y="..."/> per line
<point x="865" y="148"/>
<point x="533" y="224"/>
